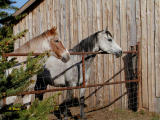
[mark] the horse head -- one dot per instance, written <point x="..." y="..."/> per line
<point x="107" y="43"/>
<point x="58" y="49"/>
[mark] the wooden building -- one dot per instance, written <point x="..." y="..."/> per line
<point x="129" y="21"/>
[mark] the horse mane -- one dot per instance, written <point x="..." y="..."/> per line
<point x="44" y="36"/>
<point x="87" y="44"/>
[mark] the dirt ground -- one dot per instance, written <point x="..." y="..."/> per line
<point x="117" y="114"/>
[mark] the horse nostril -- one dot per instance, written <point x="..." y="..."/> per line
<point x="120" y="52"/>
<point x="65" y="57"/>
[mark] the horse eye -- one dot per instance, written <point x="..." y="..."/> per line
<point x="110" y="40"/>
<point x="56" y="41"/>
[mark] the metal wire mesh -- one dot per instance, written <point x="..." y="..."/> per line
<point x="111" y="93"/>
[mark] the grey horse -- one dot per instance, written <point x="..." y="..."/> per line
<point x="69" y="74"/>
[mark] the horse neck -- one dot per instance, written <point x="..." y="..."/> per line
<point x="87" y="45"/>
<point x="38" y="44"/>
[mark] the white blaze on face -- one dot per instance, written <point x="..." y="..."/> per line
<point x="65" y="56"/>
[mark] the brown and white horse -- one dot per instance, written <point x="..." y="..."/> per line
<point x="47" y="41"/>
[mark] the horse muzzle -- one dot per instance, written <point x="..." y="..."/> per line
<point x="65" y="57"/>
<point x="118" y="54"/>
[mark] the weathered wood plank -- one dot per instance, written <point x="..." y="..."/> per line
<point x="133" y="23"/>
<point x="30" y="25"/>
<point x="19" y="40"/>
<point x="111" y="65"/>
<point x="40" y="18"/>
<point x="116" y="29"/>
<point x="63" y="12"/>
<point x="48" y="17"/>
<point x="139" y="35"/>
<point x="157" y="46"/>
<point x="56" y="12"/>
<point x="79" y="15"/>
<point x="71" y="23"/>
<point x="51" y="10"/>
<point x="23" y="24"/>
<point x="90" y="91"/>
<point x="62" y="17"/>
<point x="27" y="27"/>
<point x="144" y="55"/>
<point x="45" y="15"/>
<point x="53" y="13"/>
<point x="37" y="32"/>
<point x="33" y="23"/>
<point x="124" y="45"/>
<point x="20" y="30"/>
<point x="92" y="80"/>
<point x="84" y="18"/>
<point x="75" y="25"/>
<point x="15" y="29"/>
<point x="67" y="30"/>
<point x="100" y="62"/>
<point x="157" y="55"/>
<point x="150" y="30"/>
<point x="106" y="57"/>
<point x="36" y="21"/>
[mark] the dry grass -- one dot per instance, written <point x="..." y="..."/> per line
<point x="117" y="114"/>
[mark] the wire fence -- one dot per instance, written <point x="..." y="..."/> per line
<point x="129" y="87"/>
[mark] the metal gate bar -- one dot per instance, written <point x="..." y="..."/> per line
<point x="83" y="69"/>
<point x="71" y="53"/>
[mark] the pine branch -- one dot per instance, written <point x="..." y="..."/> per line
<point x="39" y="110"/>
<point x="17" y="81"/>
<point x="4" y="4"/>
<point x="7" y="44"/>
<point x="3" y="14"/>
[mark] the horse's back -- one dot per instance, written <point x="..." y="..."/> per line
<point x="62" y="73"/>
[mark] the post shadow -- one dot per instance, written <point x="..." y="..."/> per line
<point x="130" y="63"/>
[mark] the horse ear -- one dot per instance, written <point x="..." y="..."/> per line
<point x="53" y="31"/>
<point x="106" y="28"/>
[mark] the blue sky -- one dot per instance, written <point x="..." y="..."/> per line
<point x="19" y="3"/>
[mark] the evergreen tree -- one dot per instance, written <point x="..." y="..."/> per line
<point x="6" y="5"/>
<point x="18" y="78"/>
<point x="17" y="81"/>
